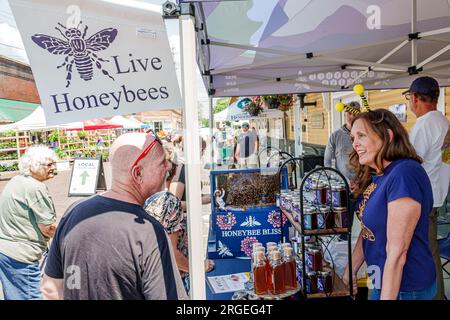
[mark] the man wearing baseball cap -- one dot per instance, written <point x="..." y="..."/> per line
<point x="339" y="145"/>
<point x="427" y="136"/>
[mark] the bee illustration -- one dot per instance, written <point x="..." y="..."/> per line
<point x="224" y="250"/>
<point x="78" y="50"/>
<point x="250" y="221"/>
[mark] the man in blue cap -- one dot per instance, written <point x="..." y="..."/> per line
<point x="427" y="136"/>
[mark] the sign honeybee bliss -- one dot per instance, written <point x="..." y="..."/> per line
<point x="94" y="59"/>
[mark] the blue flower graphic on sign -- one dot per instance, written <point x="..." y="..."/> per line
<point x="78" y="50"/>
<point x="275" y="218"/>
<point x="226" y="222"/>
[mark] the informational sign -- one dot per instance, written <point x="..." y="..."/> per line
<point x="236" y="231"/>
<point x="229" y="282"/>
<point x="317" y="120"/>
<point x="96" y="59"/>
<point x="399" y="110"/>
<point x="87" y="177"/>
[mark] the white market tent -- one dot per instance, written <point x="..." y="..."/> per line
<point x="292" y="46"/>
<point x="236" y="112"/>
<point x="127" y="123"/>
<point x="36" y="121"/>
<point x="259" y="47"/>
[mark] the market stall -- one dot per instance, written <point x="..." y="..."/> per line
<point x="291" y="47"/>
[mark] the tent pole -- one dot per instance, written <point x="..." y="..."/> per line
<point x="413" y="30"/>
<point x="434" y="56"/>
<point x="211" y="130"/>
<point x="297" y="57"/>
<point x="435" y="32"/>
<point x="192" y="156"/>
<point x="59" y="138"/>
<point x="298" y="129"/>
<point x="390" y="53"/>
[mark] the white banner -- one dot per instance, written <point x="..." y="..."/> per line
<point x="95" y="59"/>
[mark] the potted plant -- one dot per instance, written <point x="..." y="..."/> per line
<point x="282" y="102"/>
<point x="81" y="135"/>
<point x="63" y="164"/>
<point x="254" y="108"/>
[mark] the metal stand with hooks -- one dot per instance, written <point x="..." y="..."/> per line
<point x="323" y="174"/>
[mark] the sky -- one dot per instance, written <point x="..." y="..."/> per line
<point x="11" y="44"/>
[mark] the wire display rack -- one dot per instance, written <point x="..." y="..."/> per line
<point x="325" y="193"/>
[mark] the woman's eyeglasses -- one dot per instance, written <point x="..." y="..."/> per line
<point x="48" y="165"/>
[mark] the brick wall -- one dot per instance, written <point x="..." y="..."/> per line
<point x="17" y="82"/>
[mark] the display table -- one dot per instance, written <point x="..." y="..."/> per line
<point x="224" y="267"/>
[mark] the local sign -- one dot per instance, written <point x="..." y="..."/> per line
<point x="87" y="177"/>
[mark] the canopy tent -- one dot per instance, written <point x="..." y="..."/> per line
<point x="126" y="123"/>
<point x="36" y="121"/>
<point x="14" y="110"/>
<point x="98" y="124"/>
<point x="297" y="46"/>
<point x="235" y="111"/>
<point x="258" y="47"/>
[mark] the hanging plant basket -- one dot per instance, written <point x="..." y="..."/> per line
<point x="272" y="103"/>
<point x="282" y="102"/>
<point x="254" y="108"/>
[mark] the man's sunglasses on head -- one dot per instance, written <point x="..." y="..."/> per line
<point x="149" y="147"/>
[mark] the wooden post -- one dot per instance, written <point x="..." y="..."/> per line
<point x="17" y="144"/>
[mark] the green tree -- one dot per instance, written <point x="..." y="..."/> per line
<point x="221" y="105"/>
<point x="204" y="123"/>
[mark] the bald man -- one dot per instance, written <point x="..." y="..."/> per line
<point x="108" y="247"/>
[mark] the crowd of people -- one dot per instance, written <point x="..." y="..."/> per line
<point x="239" y="149"/>
<point x="131" y="241"/>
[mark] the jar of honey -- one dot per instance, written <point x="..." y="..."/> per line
<point x="337" y="195"/>
<point x="311" y="282"/>
<point x="290" y="270"/>
<point x="328" y="217"/>
<point x="324" y="282"/>
<point x="319" y="194"/>
<point x="341" y="217"/>
<point x="314" y="259"/>
<point x="278" y="276"/>
<point x="259" y="274"/>
<point x="310" y="219"/>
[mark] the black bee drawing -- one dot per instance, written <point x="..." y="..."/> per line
<point x="78" y="50"/>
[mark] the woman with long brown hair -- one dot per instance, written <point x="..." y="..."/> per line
<point x="395" y="199"/>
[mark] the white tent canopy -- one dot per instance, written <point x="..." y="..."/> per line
<point x="292" y="46"/>
<point x="235" y="111"/>
<point x="127" y="123"/>
<point x="36" y="121"/>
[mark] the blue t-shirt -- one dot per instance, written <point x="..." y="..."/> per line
<point x="402" y="178"/>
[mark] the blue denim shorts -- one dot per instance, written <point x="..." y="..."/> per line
<point x="20" y="281"/>
<point x="427" y="294"/>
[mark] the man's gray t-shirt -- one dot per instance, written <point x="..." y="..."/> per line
<point x="24" y="204"/>
<point x="247" y="141"/>
<point x="339" y="147"/>
<point x="109" y="249"/>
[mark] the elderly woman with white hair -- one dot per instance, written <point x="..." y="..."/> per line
<point x="27" y="222"/>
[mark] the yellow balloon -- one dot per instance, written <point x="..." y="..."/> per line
<point x="358" y="89"/>
<point x="340" y="107"/>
